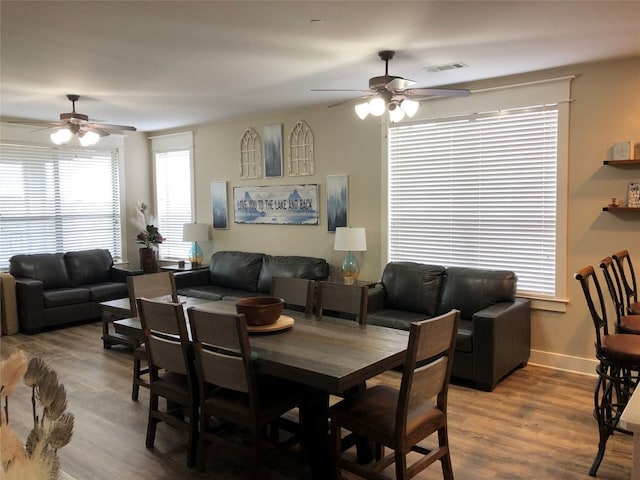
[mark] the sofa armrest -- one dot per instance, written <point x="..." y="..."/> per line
<point x="193" y="278"/>
<point x="30" y="300"/>
<point x="119" y="274"/>
<point x="377" y="297"/>
<point x="501" y="340"/>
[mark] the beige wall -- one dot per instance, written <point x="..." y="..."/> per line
<point x="606" y="109"/>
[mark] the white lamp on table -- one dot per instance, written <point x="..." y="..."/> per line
<point x="350" y="240"/>
<point x="195" y="232"/>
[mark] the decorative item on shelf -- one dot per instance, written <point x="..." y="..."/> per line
<point x="149" y="236"/>
<point x="350" y="240"/>
<point x="621" y="151"/>
<point x="633" y="195"/>
<point x="195" y="232"/>
<point x="37" y="458"/>
<point x="616" y="202"/>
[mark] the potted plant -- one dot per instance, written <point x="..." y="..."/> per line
<point x="149" y="236"/>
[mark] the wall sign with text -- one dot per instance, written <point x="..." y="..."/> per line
<point x="276" y="204"/>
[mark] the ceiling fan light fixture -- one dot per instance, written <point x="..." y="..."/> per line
<point x="377" y="106"/>
<point x="362" y="110"/>
<point x="60" y="136"/>
<point x="395" y="114"/>
<point x="88" y="138"/>
<point x="410" y="107"/>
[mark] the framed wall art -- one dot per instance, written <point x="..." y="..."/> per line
<point x="250" y="154"/>
<point x="219" y="208"/>
<point x="276" y="204"/>
<point x="337" y="201"/>
<point x="272" y="150"/>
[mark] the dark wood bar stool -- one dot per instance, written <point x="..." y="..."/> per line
<point x="619" y="363"/>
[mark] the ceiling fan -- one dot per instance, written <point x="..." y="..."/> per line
<point x="393" y="93"/>
<point x="78" y="124"/>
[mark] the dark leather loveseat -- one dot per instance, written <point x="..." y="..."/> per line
<point x="54" y="289"/>
<point x="495" y="327"/>
<point x="233" y="275"/>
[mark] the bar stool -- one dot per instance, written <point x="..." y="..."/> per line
<point x="624" y="323"/>
<point x="619" y="363"/>
<point x="628" y="277"/>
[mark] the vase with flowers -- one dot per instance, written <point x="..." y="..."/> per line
<point x="149" y="236"/>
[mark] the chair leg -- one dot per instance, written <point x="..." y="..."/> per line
<point x="153" y="421"/>
<point x="401" y="465"/>
<point x="136" y="377"/>
<point x="605" y="413"/>
<point x="447" y="469"/>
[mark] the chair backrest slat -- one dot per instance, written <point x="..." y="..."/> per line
<point x="296" y="292"/>
<point x="612" y="279"/>
<point x="153" y="285"/>
<point x="597" y="308"/>
<point x="222" y="350"/>
<point x="166" y="335"/>
<point x="428" y="363"/>
<point x="349" y="299"/>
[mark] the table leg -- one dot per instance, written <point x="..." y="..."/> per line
<point x="314" y="419"/>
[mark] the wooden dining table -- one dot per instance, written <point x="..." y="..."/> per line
<point x="323" y="356"/>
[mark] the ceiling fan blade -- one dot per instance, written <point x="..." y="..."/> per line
<point x="399" y="84"/>
<point x="436" y="92"/>
<point x="108" y="126"/>
<point x="338" y="90"/>
<point x="352" y="100"/>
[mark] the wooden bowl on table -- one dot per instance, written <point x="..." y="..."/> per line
<point x="260" y="310"/>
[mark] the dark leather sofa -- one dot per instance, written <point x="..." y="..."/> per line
<point x="494" y="333"/>
<point x="232" y="275"/>
<point x="54" y="289"/>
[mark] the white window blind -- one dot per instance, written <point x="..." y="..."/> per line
<point x="173" y="200"/>
<point x="477" y="190"/>
<point x="57" y="200"/>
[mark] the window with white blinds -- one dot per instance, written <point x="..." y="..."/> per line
<point x="173" y="200"/>
<point x="57" y="200"/>
<point x="479" y="191"/>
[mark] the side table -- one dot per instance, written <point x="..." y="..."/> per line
<point x="186" y="268"/>
<point x="111" y="311"/>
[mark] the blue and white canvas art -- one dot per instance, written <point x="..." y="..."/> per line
<point x="273" y="150"/>
<point x="219" y="205"/>
<point x="276" y="204"/>
<point x="337" y="201"/>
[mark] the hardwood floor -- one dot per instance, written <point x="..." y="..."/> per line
<point x="537" y="423"/>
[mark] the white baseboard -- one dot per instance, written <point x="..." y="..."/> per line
<point x="585" y="366"/>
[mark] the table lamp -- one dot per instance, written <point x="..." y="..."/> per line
<point x="350" y="240"/>
<point x="195" y="232"/>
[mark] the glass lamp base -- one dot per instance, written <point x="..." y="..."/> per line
<point x="350" y="269"/>
<point x="195" y="254"/>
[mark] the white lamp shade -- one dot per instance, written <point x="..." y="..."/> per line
<point x="362" y="110"/>
<point x="350" y="239"/>
<point x="60" y="136"/>
<point x="377" y="106"/>
<point x="410" y="107"/>
<point x="195" y="232"/>
<point x="396" y="115"/>
<point x="89" y="138"/>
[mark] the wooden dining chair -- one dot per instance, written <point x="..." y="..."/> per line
<point x="618" y="355"/>
<point x="625" y="323"/>
<point x="401" y="418"/>
<point x="152" y="285"/>
<point x="171" y="372"/>
<point x="231" y="391"/>
<point x="297" y="293"/>
<point x="629" y="282"/>
<point x="342" y="300"/>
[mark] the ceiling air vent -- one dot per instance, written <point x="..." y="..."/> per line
<point x="446" y="67"/>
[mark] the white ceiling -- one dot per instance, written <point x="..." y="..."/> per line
<point x="158" y="65"/>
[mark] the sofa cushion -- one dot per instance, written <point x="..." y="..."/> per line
<point x="472" y="289"/>
<point x="399" y="319"/>
<point x="291" y="266"/>
<point x="57" y="297"/>
<point x="237" y="270"/>
<point x="88" y="266"/>
<point x="414" y="287"/>
<point x="49" y="268"/>
<point x="102" y="292"/>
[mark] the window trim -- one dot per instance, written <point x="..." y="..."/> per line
<point x="554" y="90"/>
